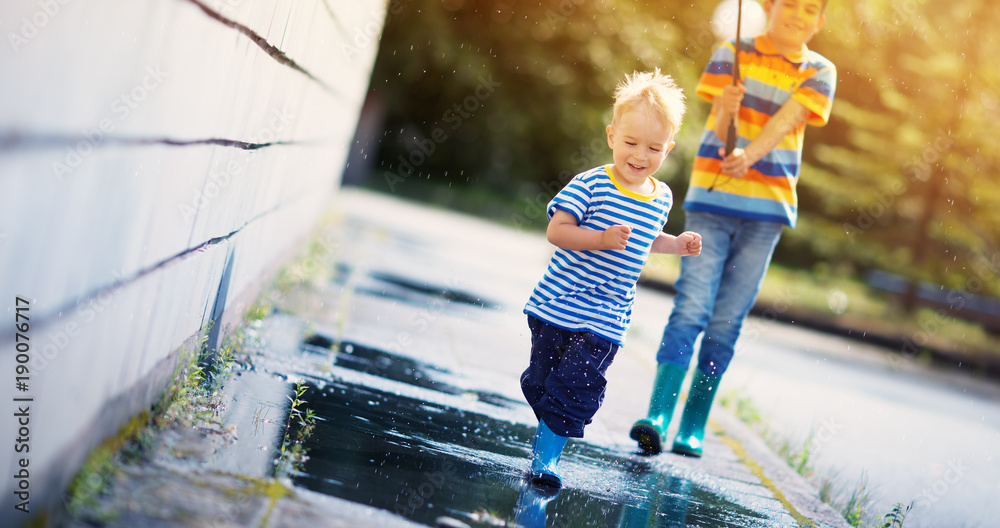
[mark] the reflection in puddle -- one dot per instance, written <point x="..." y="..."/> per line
<point x="425" y="294"/>
<point x="418" y="446"/>
<point x="395" y="368"/>
<point x="447" y="294"/>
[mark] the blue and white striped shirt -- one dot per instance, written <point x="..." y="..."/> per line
<point x="593" y="290"/>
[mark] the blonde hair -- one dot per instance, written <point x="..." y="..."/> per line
<point x="653" y="92"/>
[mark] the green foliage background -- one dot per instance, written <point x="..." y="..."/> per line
<point x="904" y="177"/>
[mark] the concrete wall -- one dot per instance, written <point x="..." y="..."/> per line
<point x="156" y="157"/>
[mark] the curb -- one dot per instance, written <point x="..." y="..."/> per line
<point x="799" y="497"/>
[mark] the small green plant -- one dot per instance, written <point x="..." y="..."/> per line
<point x="214" y="367"/>
<point x="858" y="502"/>
<point x="196" y="396"/>
<point x="313" y="266"/>
<point x="896" y="516"/>
<point x="798" y="454"/>
<point x="826" y="491"/>
<point x="259" y="417"/>
<point x="298" y="428"/>
<point x="857" y="507"/>
<point x="743" y="407"/>
<point x="258" y="310"/>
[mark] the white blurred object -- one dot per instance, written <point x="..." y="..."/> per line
<point x="754" y="21"/>
<point x="837" y="301"/>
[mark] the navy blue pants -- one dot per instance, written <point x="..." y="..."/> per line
<point x="564" y="382"/>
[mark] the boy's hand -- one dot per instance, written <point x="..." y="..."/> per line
<point x="732" y="97"/>
<point x="790" y="115"/>
<point x="736" y="164"/>
<point x="689" y="244"/>
<point x="615" y="237"/>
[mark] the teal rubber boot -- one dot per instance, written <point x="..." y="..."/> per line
<point x="691" y="435"/>
<point x="649" y="431"/>
<point x="545" y="452"/>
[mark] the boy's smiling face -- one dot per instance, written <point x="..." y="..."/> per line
<point x="639" y="143"/>
<point x="793" y="22"/>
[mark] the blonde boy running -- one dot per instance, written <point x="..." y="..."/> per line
<point x="604" y="223"/>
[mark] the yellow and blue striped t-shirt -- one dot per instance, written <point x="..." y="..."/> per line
<point x="593" y="291"/>
<point x="767" y="191"/>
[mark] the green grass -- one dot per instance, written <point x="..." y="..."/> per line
<point x="192" y="397"/>
<point x="195" y="396"/>
<point x="258" y="310"/>
<point x="299" y="427"/>
<point x="853" y="502"/>
<point x="98" y="471"/>
<point x="896" y="516"/>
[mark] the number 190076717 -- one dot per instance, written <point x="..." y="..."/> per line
<point x="22" y="343"/>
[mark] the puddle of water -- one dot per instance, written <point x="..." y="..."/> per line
<point x="391" y="286"/>
<point x="395" y="368"/>
<point x="460" y="455"/>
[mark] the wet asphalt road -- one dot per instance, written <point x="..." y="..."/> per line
<point x="410" y="354"/>
<point x="931" y="437"/>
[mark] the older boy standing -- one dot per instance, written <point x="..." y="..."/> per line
<point x="604" y="224"/>
<point x="739" y="203"/>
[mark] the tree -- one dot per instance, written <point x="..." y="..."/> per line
<point x="904" y="178"/>
<point x="507" y="101"/>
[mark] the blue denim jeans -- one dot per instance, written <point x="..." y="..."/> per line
<point x="716" y="290"/>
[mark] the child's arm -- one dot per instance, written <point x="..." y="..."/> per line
<point x="685" y="244"/>
<point x="564" y="232"/>
<point x="789" y="116"/>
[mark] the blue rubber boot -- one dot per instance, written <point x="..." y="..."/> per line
<point x="691" y="435"/>
<point x="649" y="431"/>
<point x="531" y="504"/>
<point x="545" y="452"/>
